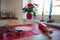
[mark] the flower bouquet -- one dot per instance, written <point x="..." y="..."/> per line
<point x="30" y="8"/>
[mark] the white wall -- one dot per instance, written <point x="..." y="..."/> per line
<point x="3" y="5"/>
<point x="16" y="7"/>
<point x="25" y="2"/>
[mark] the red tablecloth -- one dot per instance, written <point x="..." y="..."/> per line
<point x="37" y="28"/>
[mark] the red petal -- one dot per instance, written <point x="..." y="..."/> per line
<point x="30" y="5"/>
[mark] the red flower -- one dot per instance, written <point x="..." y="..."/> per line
<point x="30" y="5"/>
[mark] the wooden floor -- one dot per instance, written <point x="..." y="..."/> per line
<point x="54" y="36"/>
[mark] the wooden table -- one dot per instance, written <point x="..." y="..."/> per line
<point x="54" y="24"/>
<point x="54" y="36"/>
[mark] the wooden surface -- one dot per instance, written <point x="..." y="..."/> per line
<point x="54" y="36"/>
<point x="53" y="26"/>
<point x="8" y="18"/>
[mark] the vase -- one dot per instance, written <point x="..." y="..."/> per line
<point x="29" y="16"/>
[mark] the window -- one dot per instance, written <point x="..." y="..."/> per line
<point x="25" y="3"/>
<point x="46" y="4"/>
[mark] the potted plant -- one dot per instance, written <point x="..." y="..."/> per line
<point x="30" y="9"/>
